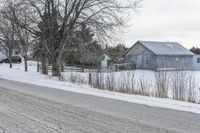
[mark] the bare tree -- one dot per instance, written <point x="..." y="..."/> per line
<point x="59" y="19"/>
<point x="24" y="43"/>
<point x="23" y="37"/>
<point x="7" y="36"/>
<point x="18" y="14"/>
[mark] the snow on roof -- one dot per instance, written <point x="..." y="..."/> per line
<point x="166" y="48"/>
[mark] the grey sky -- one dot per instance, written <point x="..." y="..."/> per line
<point x="166" y="20"/>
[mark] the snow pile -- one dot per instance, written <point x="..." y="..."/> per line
<point x="32" y="77"/>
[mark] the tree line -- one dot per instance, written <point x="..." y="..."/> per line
<point x="57" y="31"/>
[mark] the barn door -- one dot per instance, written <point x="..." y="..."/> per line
<point x="139" y="61"/>
<point x="143" y="61"/>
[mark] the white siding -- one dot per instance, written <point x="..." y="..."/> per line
<point x="104" y="62"/>
<point x="2" y="56"/>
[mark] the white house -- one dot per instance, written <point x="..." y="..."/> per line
<point x="105" y="61"/>
<point x="2" y="56"/>
<point x="4" y="52"/>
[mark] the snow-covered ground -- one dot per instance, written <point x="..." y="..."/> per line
<point x="32" y="77"/>
<point x="180" y="85"/>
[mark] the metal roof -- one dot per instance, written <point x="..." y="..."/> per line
<point x="164" y="48"/>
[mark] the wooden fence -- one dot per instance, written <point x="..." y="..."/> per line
<point x="71" y="69"/>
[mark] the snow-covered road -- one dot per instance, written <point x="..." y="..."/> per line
<point x="30" y="108"/>
<point x="24" y="114"/>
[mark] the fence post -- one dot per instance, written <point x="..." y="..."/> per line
<point x="38" y="67"/>
<point x="90" y="79"/>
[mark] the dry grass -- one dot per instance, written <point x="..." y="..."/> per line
<point x="181" y="83"/>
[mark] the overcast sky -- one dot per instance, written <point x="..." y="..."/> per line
<point x="166" y="20"/>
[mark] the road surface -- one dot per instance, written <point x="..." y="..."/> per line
<point x="26" y="108"/>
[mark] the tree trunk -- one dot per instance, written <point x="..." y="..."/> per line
<point x="55" y="69"/>
<point x="83" y="66"/>
<point x="62" y="66"/>
<point x="90" y="79"/>
<point x="38" y="67"/>
<point x="10" y="57"/>
<point x="44" y="64"/>
<point x="25" y="64"/>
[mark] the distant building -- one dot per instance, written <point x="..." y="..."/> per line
<point x="105" y="61"/>
<point x="2" y="56"/>
<point x="4" y="51"/>
<point x="159" y="55"/>
<point x="196" y="62"/>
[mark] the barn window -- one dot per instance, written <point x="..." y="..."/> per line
<point x="198" y="60"/>
<point x="147" y="62"/>
<point x="177" y="60"/>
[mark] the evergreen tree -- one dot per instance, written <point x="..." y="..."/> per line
<point x="116" y="51"/>
<point x="195" y="50"/>
<point x="87" y="48"/>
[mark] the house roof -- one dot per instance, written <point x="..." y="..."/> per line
<point x="164" y="48"/>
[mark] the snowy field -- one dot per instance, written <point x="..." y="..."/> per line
<point x="179" y="85"/>
<point x="32" y="77"/>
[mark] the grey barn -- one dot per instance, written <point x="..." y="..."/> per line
<point x="159" y="55"/>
